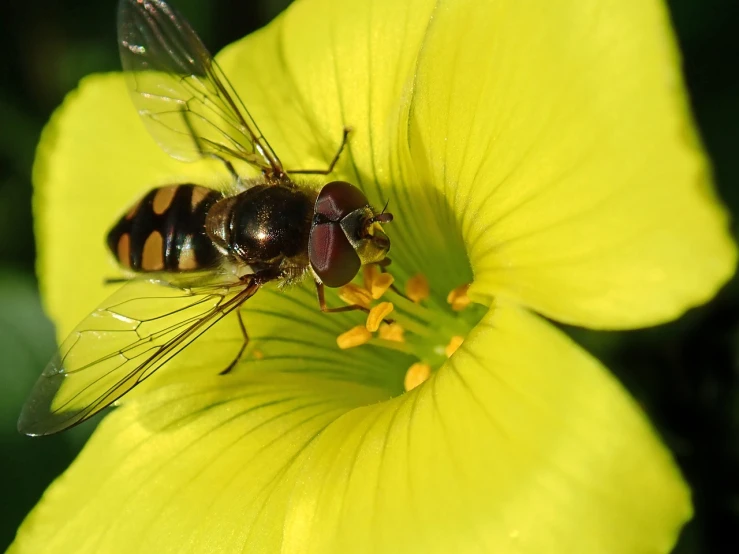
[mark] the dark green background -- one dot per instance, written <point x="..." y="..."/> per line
<point x="685" y="374"/>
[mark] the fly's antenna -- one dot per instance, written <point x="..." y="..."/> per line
<point x="383" y="217"/>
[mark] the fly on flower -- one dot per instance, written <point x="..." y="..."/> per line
<point x="192" y="255"/>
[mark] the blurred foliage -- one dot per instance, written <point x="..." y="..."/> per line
<point x="685" y="374"/>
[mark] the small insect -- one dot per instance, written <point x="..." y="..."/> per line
<point x="211" y="250"/>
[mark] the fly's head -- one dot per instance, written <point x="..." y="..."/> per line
<point x="346" y="234"/>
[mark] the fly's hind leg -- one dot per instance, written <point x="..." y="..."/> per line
<point x="243" y="345"/>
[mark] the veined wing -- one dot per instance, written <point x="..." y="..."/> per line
<point x="185" y="100"/>
<point x="125" y="340"/>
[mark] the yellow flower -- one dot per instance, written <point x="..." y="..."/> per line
<point x="541" y="151"/>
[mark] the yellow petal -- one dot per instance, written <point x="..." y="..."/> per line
<point x="521" y="443"/>
<point x="204" y="466"/>
<point x="360" y="71"/>
<point x="560" y="136"/>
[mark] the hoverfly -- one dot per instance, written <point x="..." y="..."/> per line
<point x="212" y="250"/>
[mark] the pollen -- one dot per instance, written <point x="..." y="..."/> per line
<point x="416" y="375"/>
<point x="356" y="336"/>
<point x="258" y="355"/>
<point x="353" y="294"/>
<point x="377" y="315"/>
<point x="453" y="345"/>
<point x="458" y="298"/>
<point x="392" y="331"/>
<point x="417" y="288"/>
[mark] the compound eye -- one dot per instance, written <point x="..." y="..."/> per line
<point x="331" y="255"/>
<point x="339" y="198"/>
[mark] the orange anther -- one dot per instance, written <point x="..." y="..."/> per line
<point x="417" y="288"/>
<point x="377" y="314"/>
<point x="369" y="272"/>
<point x="458" y="298"/>
<point x="356" y="336"/>
<point x="380" y="284"/>
<point x="354" y="294"/>
<point x="455" y="343"/>
<point x="392" y="331"/>
<point x="417" y="374"/>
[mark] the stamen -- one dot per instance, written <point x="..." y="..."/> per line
<point x="418" y="329"/>
<point x="417" y="288"/>
<point x="417" y="374"/>
<point x="354" y="294"/>
<point x="377" y="314"/>
<point x="453" y="345"/>
<point x="458" y="298"/>
<point x="356" y="336"/>
<point x="369" y="272"/>
<point x="392" y="331"/>
<point x="380" y="284"/>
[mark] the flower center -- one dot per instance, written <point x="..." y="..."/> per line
<point x="414" y="322"/>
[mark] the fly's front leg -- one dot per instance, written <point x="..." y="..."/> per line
<point x="320" y="289"/>
<point x="330" y="168"/>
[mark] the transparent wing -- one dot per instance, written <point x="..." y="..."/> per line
<point x="124" y="341"/>
<point x="185" y="100"/>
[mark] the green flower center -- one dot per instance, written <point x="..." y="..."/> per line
<point x="415" y="322"/>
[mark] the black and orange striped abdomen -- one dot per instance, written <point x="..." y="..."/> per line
<point x="165" y="231"/>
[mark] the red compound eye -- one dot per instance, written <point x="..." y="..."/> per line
<point x="331" y="255"/>
<point x="338" y="199"/>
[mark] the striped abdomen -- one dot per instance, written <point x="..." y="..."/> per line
<point x="165" y="231"/>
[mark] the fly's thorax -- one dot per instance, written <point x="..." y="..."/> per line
<point x="165" y="231"/>
<point x="218" y="223"/>
<point x="264" y="224"/>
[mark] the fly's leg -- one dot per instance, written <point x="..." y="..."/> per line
<point x="254" y="282"/>
<point x="320" y="289"/>
<point x="243" y="345"/>
<point x="115" y="280"/>
<point x="330" y="168"/>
